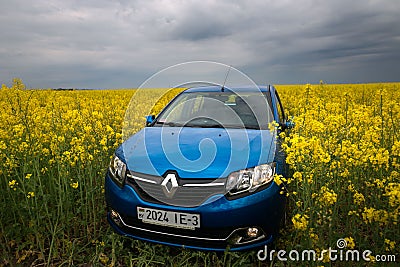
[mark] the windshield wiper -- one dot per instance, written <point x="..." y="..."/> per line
<point x="170" y="123"/>
<point x="228" y="126"/>
<point x="204" y="125"/>
<point x="207" y="125"/>
<point x="254" y="127"/>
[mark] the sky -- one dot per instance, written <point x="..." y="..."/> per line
<point x="120" y="44"/>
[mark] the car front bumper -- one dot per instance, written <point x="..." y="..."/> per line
<point x="223" y="222"/>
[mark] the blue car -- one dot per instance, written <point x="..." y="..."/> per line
<point x="201" y="174"/>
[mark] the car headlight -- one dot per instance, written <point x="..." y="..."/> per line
<point x="250" y="179"/>
<point x="118" y="170"/>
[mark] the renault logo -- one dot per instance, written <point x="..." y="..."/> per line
<point x="169" y="185"/>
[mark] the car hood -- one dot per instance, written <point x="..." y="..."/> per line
<point x="196" y="152"/>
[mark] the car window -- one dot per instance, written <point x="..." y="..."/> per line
<point x="281" y="113"/>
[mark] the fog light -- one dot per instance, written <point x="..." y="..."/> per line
<point x="246" y="235"/>
<point x="115" y="217"/>
<point x="252" y="232"/>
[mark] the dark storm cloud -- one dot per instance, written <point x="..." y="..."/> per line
<point x="102" y="44"/>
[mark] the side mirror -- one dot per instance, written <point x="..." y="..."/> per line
<point x="149" y="119"/>
<point x="289" y="123"/>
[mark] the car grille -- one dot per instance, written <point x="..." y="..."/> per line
<point x="188" y="193"/>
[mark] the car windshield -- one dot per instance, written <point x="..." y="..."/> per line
<point x="250" y="110"/>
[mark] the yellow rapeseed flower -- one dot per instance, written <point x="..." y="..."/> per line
<point x="390" y="245"/>
<point x="393" y="192"/>
<point x="13" y="184"/>
<point x="358" y="198"/>
<point x="278" y="179"/>
<point x="327" y="196"/>
<point x="298" y="176"/>
<point x="371" y="215"/>
<point x="74" y="185"/>
<point x="300" y="222"/>
<point x="350" y="243"/>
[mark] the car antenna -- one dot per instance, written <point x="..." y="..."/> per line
<point x="226" y="77"/>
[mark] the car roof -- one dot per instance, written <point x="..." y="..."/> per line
<point x="234" y="89"/>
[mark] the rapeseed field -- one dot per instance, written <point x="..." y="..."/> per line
<point x="55" y="146"/>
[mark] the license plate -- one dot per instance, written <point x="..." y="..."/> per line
<point x="169" y="218"/>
